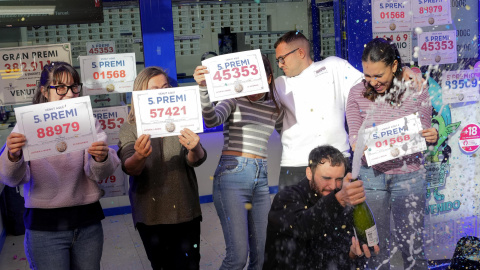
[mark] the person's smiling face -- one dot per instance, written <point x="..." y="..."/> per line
<point x="379" y="75"/>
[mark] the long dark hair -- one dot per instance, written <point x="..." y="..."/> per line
<point x="382" y="50"/>
<point x="272" y="94"/>
<point x="52" y="74"/>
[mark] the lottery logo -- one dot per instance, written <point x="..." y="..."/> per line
<point x="110" y="88"/>
<point x="170" y="127"/>
<point x="61" y="146"/>
<point x="238" y="87"/>
<point x="395" y="152"/>
<point x="431" y="21"/>
<point x="393" y="26"/>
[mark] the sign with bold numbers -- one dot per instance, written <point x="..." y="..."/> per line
<point x="437" y="48"/>
<point x="21" y="67"/>
<point x="464" y="12"/>
<point x="164" y="112"/>
<point x="101" y="47"/>
<point x="431" y="12"/>
<point x="114" y="185"/>
<point x="391" y="16"/>
<point x="57" y="127"/>
<point x="235" y="75"/>
<point x="403" y="41"/>
<point x="104" y="74"/>
<point x="460" y="86"/>
<point x="111" y="119"/>
<point x="394" y="139"/>
<point x="470" y="138"/>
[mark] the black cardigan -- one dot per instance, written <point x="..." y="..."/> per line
<point x="308" y="231"/>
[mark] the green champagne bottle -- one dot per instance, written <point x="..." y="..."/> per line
<point x="364" y="226"/>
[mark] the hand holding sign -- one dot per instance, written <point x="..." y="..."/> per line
<point x="15" y="142"/>
<point x="99" y="151"/>
<point x="199" y="75"/>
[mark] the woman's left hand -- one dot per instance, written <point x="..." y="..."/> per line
<point x="189" y="139"/>
<point x="99" y="151"/>
<point x="415" y="79"/>
<point x="430" y="135"/>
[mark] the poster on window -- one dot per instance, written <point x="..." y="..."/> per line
<point x="437" y="48"/>
<point x="21" y="67"/>
<point x="105" y="74"/>
<point x="111" y="119"/>
<point x="431" y="12"/>
<point x="391" y="16"/>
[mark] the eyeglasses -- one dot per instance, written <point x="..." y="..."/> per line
<point x="62" y="90"/>
<point x="281" y="59"/>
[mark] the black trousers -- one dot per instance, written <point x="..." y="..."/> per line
<point x="172" y="246"/>
<point x="290" y="176"/>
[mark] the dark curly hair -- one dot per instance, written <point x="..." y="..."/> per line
<point x="382" y="50"/>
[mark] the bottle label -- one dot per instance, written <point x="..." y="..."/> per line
<point x="372" y="236"/>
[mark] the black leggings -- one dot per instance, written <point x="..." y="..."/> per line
<point x="172" y="246"/>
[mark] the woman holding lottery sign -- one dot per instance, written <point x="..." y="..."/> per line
<point x="396" y="186"/>
<point x="163" y="187"/>
<point x="63" y="213"/>
<point x="240" y="186"/>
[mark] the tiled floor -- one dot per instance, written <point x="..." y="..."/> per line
<point x="123" y="248"/>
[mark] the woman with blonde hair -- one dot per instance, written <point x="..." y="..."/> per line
<point x="163" y="187"/>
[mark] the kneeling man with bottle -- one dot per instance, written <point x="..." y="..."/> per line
<point x="310" y="224"/>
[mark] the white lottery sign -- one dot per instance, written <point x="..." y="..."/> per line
<point x="111" y="119"/>
<point x="114" y="185"/>
<point x="431" y="12"/>
<point x="55" y="128"/>
<point x="104" y="74"/>
<point x="101" y="47"/>
<point x="437" y="48"/>
<point x="403" y="41"/>
<point x="460" y="86"/>
<point x="394" y="139"/>
<point x="235" y="75"/>
<point x="164" y="112"/>
<point x="20" y="69"/>
<point x="391" y="15"/>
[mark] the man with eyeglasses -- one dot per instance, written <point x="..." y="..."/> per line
<point x="313" y="95"/>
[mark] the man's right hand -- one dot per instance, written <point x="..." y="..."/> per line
<point x="352" y="193"/>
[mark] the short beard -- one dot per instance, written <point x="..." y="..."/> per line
<point x="314" y="187"/>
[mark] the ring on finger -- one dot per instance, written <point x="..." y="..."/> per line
<point x="188" y="143"/>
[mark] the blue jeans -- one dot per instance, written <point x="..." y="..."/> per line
<point x="402" y="195"/>
<point x="79" y="249"/>
<point x="241" y="198"/>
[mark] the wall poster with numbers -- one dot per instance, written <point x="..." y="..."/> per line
<point x="20" y="69"/>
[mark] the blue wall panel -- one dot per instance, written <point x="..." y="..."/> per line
<point x="157" y="31"/>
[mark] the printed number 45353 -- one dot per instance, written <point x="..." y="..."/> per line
<point x="237" y="73"/>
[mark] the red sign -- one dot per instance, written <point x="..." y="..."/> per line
<point x="470" y="138"/>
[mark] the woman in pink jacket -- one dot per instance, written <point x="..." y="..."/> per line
<point x="63" y="213"/>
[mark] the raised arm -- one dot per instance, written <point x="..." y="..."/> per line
<point x="214" y="115"/>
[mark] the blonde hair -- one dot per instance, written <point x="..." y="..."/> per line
<point x="141" y="83"/>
